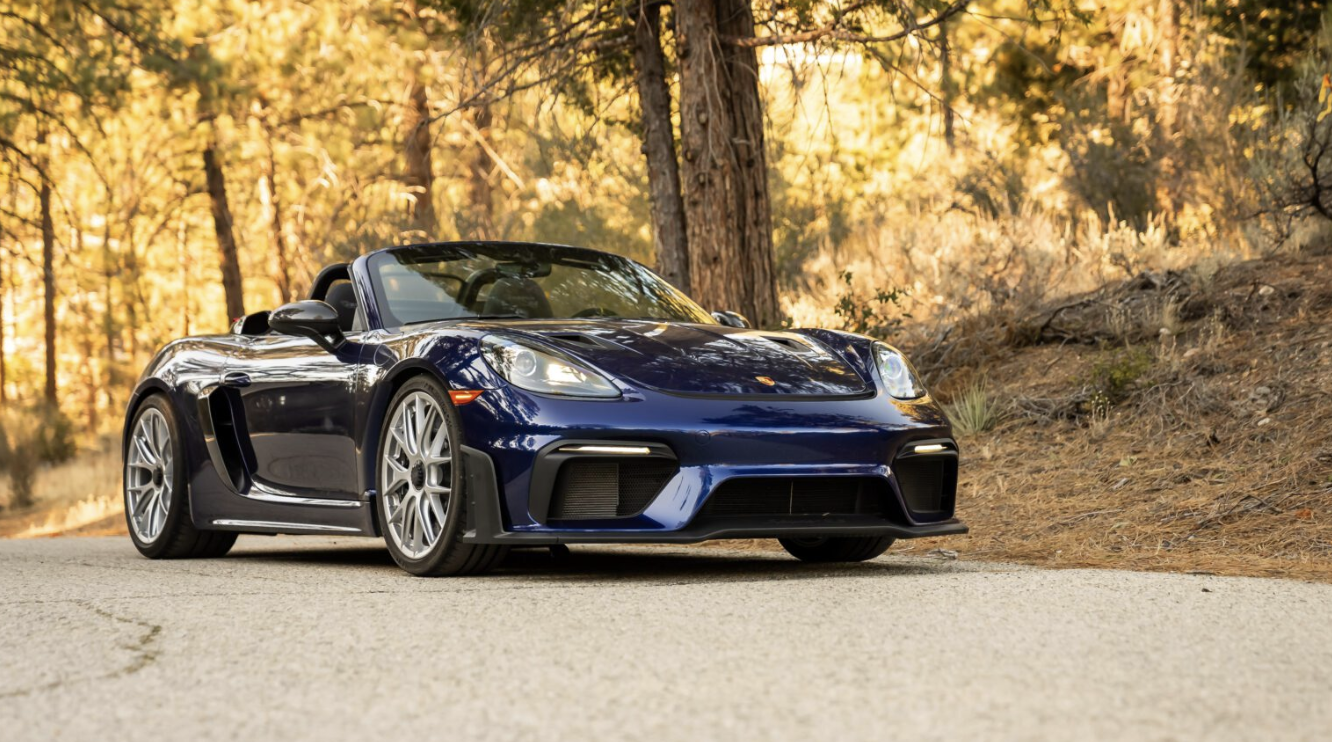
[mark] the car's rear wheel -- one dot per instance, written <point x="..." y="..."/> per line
<point x="157" y="502"/>
<point x="827" y="549"/>
<point x="422" y="509"/>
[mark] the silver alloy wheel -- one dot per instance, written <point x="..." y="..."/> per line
<point x="416" y="478"/>
<point x="149" y="476"/>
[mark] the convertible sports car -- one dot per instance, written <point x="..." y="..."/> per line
<point x="460" y="399"/>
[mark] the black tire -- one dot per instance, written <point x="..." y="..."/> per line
<point x="178" y="539"/>
<point x="450" y="556"/>
<point x="836" y="548"/>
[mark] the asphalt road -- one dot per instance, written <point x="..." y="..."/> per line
<point x="305" y="638"/>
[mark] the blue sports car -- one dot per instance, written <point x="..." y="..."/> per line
<point x="459" y="399"/>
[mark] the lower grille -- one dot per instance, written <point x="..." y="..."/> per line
<point x="588" y="489"/>
<point x="767" y="496"/>
<point x="928" y="484"/>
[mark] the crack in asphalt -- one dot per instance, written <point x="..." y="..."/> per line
<point x="143" y="649"/>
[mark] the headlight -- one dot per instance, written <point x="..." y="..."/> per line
<point x="540" y="370"/>
<point x="898" y="376"/>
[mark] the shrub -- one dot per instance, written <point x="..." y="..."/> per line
<point x="975" y="410"/>
<point x="29" y="438"/>
<point x="1113" y="378"/>
<point x="876" y="316"/>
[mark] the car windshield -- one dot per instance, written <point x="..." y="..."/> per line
<point x="426" y="283"/>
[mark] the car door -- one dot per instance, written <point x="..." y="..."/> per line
<point x="298" y="402"/>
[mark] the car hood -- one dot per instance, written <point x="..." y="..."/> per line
<point x="698" y="359"/>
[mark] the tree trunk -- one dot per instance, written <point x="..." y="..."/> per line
<point x="947" y="92"/>
<point x="228" y="254"/>
<point x="3" y="293"/>
<point x="735" y="18"/>
<point x="1168" y="193"/>
<point x="283" y="277"/>
<point x="110" y="382"/>
<point x="708" y="167"/>
<point x="480" y="194"/>
<point x="48" y="272"/>
<point x="420" y="175"/>
<point x="654" y="95"/>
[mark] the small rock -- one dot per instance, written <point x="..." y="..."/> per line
<point x="947" y="555"/>
<point x="1266" y="291"/>
<point x="1264" y="421"/>
<point x="1262" y="391"/>
<point x="1207" y="590"/>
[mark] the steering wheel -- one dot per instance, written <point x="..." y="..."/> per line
<point x="595" y="312"/>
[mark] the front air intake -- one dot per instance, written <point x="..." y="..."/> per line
<point x="598" y="488"/>
<point x="799" y="496"/>
<point x="928" y="485"/>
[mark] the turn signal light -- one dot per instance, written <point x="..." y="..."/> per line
<point x="463" y="396"/>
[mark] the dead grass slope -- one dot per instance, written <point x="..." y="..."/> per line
<point x="1179" y="421"/>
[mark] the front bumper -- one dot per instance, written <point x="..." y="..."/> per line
<point x="485" y="521"/>
<point x="512" y="438"/>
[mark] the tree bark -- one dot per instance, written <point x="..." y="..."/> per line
<point x="735" y="19"/>
<point x="3" y="375"/>
<point x="48" y="271"/>
<point x="946" y="89"/>
<point x="228" y="254"/>
<point x="708" y="167"/>
<point x="420" y="175"/>
<point x="480" y="193"/>
<point x="283" y="277"/>
<point x="654" y="95"/>
<point x="1168" y="193"/>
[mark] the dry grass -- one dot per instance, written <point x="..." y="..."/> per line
<point x="80" y="497"/>
<point x="1216" y="458"/>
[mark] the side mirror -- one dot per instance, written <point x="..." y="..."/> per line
<point x="732" y="319"/>
<point x="251" y="324"/>
<point x="316" y="320"/>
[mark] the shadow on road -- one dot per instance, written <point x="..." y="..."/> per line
<point x="599" y="563"/>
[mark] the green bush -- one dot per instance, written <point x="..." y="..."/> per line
<point x="1114" y="378"/>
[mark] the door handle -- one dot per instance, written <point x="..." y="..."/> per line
<point x="236" y="379"/>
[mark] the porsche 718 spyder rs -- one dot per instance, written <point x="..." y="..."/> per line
<point x="460" y="399"/>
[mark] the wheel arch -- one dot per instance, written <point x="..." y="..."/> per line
<point x="377" y="412"/>
<point x="142" y="392"/>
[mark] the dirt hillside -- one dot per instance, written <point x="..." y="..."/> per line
<point x="1179" y="421"/>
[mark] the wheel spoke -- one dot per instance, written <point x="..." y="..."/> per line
<point x="435" y="451"/>
<point x="418" y="423"/>
<point x="398" y="473"/>
<point x="423" y="528"/>
<point x="141" y="501"/>
<point x="397" y="433"/>
<point x="437" y="508"/>
<point x="142" y="446"/>
<point x="412" y="521"/>
<point x="396" y="513"/>
<point x="161" y="440"/>
<point x="425" y="442"/>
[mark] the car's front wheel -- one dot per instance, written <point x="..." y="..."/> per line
<point x="422" y="509"/>
<point x="827" y="549"/>
<point x="157" y="502"/>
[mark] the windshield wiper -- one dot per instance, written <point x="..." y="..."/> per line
<point x="464" y="318"/>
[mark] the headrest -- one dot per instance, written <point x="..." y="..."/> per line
<point x="342" y="297"/>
